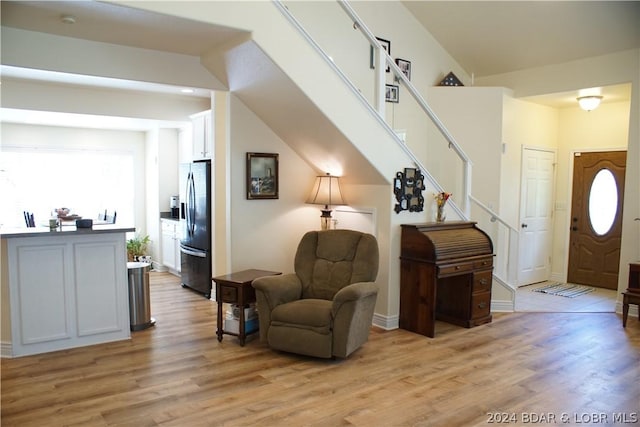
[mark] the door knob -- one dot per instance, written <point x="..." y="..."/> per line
<point x="574" y="228"/>
<point x="523" y="225"/>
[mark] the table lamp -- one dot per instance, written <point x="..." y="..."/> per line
<point x="326" y="191"/>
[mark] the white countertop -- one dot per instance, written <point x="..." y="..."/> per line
<point x="66" y="230"/>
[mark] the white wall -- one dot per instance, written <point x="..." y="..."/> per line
<point x="161" y="182"/>
<point x="266" y="233"/>
<point x="616" y="68"/>
<point x="70" y="55"/>
<point x="39" y="96"/>
<point x="605" y="128"/>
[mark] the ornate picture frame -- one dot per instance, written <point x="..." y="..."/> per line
<point x="408" y="187"/>
<point x="262" y="176"/>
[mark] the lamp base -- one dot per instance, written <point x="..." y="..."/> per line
<point x="325" y="219"/>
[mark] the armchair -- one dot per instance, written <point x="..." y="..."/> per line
<point x="325" y="308"/>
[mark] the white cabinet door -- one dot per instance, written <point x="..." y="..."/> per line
<point x="202" y="135"/>
<point x="171" y="244"/>
<point x="168" y="250"/>
<point x="97" y="298"/>
<point x="178" y="237"/>
<point x="43" y="312"/>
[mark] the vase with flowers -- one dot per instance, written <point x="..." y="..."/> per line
<point x="441" y="200"/>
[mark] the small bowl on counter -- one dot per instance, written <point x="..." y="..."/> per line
<point x="84" y="223"/>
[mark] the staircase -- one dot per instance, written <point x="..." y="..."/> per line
<point x="339" y="112"/>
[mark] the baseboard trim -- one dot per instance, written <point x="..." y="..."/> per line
<point x="386" y="322"/>
<point x="6" y="350"/>
<point x="503" y="306"/>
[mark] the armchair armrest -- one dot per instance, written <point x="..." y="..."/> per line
<point x="271" y="291"/>
<point x="354" y="291"/>
<point x="352" y="313"/>
<point x="279" y="289"/>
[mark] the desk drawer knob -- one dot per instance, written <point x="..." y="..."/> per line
<point x="457" y="267"/>
<point x="482" y="304"/>
<point x="483" y="281"/>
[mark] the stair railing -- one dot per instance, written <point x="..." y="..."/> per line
<point x="381" y="61"/>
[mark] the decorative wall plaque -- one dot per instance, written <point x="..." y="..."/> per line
<point x="408" y="187"/>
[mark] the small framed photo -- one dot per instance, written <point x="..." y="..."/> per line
<point x="386" y="45"/>
<point x="405" y="66"/>
<point x="392" y="93"/>
<point x="262" y="176"/>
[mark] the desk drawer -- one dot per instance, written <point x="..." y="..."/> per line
<point x="482" y="282"/>
<point x="229" y="294"/>
<point x="483" y="263"/>
<point x="480" y="305"/>
<point x="449" y="269"/>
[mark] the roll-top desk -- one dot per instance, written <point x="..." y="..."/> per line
<point x="445" y="274"/>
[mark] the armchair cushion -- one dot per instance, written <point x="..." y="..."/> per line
<point x="312" y="314"/>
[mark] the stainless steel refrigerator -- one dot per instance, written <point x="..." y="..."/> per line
<point x="195" y="215"/>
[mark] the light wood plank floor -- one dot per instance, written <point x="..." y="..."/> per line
<point x="177" y="374"/>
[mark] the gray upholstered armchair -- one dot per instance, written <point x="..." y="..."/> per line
<point x="326" y="308"/>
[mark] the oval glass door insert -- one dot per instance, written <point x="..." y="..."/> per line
<point x="603" y="202"/>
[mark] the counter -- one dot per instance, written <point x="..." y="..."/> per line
<point x="63" y="289"/>
<point x="66" y="230"/>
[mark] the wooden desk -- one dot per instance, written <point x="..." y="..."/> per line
<point x="445" y="274"/>
<point x="235" y="288"/>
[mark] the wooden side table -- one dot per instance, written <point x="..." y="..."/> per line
<point x="235" y="288"/>
<point x="632" y="294"/>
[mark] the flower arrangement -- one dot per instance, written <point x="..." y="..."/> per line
<point x="441" y="200"/>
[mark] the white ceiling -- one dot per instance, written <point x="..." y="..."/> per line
<point x="484" y="37"/>
<point x="495" y="37"/>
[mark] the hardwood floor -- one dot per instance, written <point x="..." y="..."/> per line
<point x="178" y="374"/>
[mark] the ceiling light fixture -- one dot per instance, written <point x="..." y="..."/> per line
<point x="589" y="103"/>
<point x="68" y="19"/>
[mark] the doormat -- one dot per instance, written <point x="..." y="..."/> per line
<point x="564" y="290"/>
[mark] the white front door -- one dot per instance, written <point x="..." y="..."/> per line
<point x="536" y="214"/>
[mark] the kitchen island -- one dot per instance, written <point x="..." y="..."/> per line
<point x="63" y="288"/>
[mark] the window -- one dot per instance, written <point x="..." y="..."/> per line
<point x="85" y="181"/>
<point x="603" y="202"/>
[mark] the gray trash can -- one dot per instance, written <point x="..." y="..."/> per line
<point x="139" y="299"/>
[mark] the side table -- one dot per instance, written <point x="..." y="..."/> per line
<point x="632" y="294"/>
<point x="235" y="288"/>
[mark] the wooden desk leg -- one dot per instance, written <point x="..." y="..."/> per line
<point x="625" y="310"/>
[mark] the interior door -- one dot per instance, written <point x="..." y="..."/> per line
<point x="596" y="218"/>
<point x="536" y="215"/>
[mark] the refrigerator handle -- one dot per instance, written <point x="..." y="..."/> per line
<point x="192" y="201"/>
<point x="187" y="202"/>
<point x="199" y="254"/>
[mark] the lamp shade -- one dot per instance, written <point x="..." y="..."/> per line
<point x="589" y="103"/>
<point x="326" y="191"/>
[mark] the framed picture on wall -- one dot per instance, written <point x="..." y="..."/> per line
<point x="262" y="176"/>
<point x="392" y="93"/>
<point x="386" y="45"/>
<point x="405" y="66"/>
